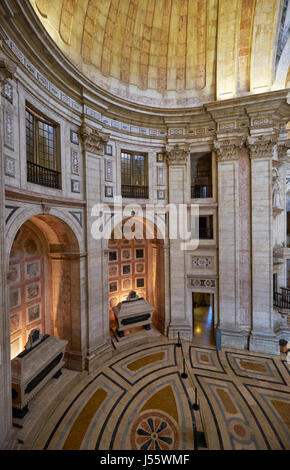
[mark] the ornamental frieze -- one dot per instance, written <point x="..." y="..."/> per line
<point x="262" y="146"/>
<point x="177" y="155"/>
<point x="93" y="139"/>
<point x="228" y="149"/>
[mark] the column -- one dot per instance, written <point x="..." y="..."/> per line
<point x="98" y="338"/>
<point x="230" y="328"/>
<point x="177" y="159"/>
<point x="7" y="70"/>
<point x="262" y="337"/>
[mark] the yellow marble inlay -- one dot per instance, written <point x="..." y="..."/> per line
<point x="163" y="400"/>
<point x="283" y="409"/>
<point x="254" y="366"/>
<point x="226" y="401"/>
<point x="81" y="424"/>
<point x="146" y="360"/>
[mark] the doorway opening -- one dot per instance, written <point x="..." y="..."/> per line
<point x="203" y="318"/>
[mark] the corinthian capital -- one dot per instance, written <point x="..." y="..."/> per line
<point x="93" y="139"/>
<point x="282" y="149"/>
<point x="177" y="155"/>
<point x="262" y="146"/>
<point x="228" y="149"/>
<point x="7" y="69"/>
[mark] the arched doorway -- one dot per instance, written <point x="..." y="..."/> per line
<point x="44" y="285"/>
<point x="137" y="264"/>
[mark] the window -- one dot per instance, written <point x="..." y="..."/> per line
<point x="206" y="227"/>
<point x="42" y="150"/>
<point x="201" y="175"/>
<point x="134" y="175"/>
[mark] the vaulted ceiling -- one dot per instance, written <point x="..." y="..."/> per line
<point x="174" y="52"/>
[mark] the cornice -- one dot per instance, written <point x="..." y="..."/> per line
<point x="16" y="194"/>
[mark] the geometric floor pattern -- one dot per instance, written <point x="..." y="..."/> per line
<point x="139" y="400"/>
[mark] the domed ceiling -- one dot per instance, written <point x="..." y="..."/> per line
<point x="173" y="52"/>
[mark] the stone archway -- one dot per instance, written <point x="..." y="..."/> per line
<point x="51" y="276"/>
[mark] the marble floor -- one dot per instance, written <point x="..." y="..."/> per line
<point x="141" y="400"/>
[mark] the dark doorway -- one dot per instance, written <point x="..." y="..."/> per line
<point x="202" y="318"/>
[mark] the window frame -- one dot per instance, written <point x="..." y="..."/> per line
<point x="133" y="173"/>
<point x="211" y="184"/>
<point x="39" y="117"/>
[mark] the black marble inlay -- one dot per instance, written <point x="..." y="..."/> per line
<point x="136" y="319"/>
<point x="43" y="374"/>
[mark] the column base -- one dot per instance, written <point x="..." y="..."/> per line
<point x="185" y="332"/>
<point x="75" y="361"/>
<point x="11" y="442"/>
<point x="234" y="339"/>
<point x="266" y="343"/>
<point x="283" y="333"/>
<point x="99" y="356"/>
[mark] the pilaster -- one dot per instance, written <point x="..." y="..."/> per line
<point x="178" y="160"/>
<point x="7" y="71"/>
<point x="99" y="346"/>
<point x="227" y="152"/>
<point x="261" y="148"/>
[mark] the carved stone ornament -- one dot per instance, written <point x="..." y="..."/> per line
<point x="262" y="146"/>
<point x="282" y="149"/>
<point x="276" y="191"/>
<point x="177" y="155"/>
<point x="93" y="139"/>
<point x="228" y="150"/>
<point x="7" y="69"/>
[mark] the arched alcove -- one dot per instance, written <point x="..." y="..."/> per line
<point x="137" y="263"/>
<point x="44" y="285"/>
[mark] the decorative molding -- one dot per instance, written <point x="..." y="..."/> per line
<point x="78" y="216"/>
<point x="8" y="92"/>
<point x="93" y="139"/>
<point x="203" y="283"/>
<point x="10" y="211"/>
<point x="75" y="186"/>
<point x="161" y="194"/>
<point x="75" y="162"/>
<point x="9" y="166"/>
<point x="262" y="146"/>
<point x="8" y="129"/>
<point x="202" y="262"/>
<point x="177" y="155"/>
<point x="109" y="191"/>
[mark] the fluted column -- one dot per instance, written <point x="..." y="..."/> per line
<point x="7" y="70"/>
<point x="233" y="334"/>
<point x="177" y="159"/>
<point x="262" y="337"/>
<point x="98" y="341"/>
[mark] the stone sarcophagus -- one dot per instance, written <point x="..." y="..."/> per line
<point x="132" y="313"/>
<point x="42" y="359"/>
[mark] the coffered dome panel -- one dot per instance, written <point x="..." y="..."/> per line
<point x="172" y="52"/>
